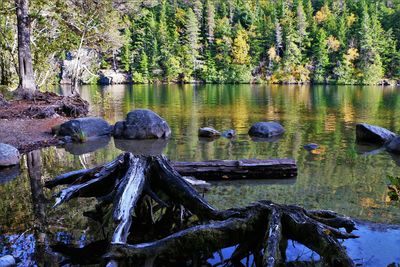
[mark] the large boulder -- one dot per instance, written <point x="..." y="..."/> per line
<point x="9" y="155"/>
<point x="373" y="134"/>
<point x="209" y="132"/>
<point x="142" y="124"/>
<point x="266" y="129"/>
<point x="394" y="145"/>
<point x="83" y="128"/>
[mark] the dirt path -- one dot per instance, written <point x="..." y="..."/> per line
<point x="29" y="134"/>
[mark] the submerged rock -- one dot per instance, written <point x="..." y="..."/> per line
<point x="266" y="129"/>
<point x="229" y="133"/>
<point x="7" y="174"/>
<point x="394" y="145"/>
<point x="374" y="134"/>
<point x="311" y="146"/>
<point x="208" y="132"/>
<point x="142" y="124"/>
<point x="83" y="128"/>
<point x="9" y="155"/>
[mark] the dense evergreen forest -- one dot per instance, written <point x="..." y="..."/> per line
<point x="213" y="41"/>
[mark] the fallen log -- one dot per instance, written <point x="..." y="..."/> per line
<point x="238" y="169"/>
<point x="143" y="194"/>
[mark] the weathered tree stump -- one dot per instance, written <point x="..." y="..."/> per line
<point x="134" y="189"/>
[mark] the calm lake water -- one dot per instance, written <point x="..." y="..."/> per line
<point x="340" y="175"/>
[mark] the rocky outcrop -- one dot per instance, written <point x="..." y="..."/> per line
<point x="113" y="77"/>
<point x="82" y="128"/>
<point x="142" y="124"/>
<point x="373" y="134"/>
<point x="266" y="129"/>
<point x="208" y="132"/>
<point x="9" y="155"/>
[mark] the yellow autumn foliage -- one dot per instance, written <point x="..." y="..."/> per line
<point x="333" y="43"/>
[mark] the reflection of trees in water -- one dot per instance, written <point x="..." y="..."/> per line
<point x="33" y="160"/>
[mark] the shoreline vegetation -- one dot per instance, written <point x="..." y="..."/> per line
<point x="206" y="41"/>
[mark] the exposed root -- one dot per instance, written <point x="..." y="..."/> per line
<point x="261" y="229"/>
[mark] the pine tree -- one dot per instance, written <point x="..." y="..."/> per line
<point x="321" y="57"/>
<point x="210" y="21"/>
<point x="370" y="59"/>
<point x="193" y="41"/>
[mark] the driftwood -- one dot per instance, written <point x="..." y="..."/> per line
<point x="134" y="189"/>
<point x="238" y="169"/>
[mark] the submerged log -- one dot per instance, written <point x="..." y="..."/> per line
<point x="126" y="186"/>
<point x="238" y="169"/>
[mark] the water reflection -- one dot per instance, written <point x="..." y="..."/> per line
<point x="341" y="175"/>
<point x="150" y="147"/>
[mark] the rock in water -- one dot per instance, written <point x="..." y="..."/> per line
<point x="394" y="145"/>
<point x="82" y="128"/>
<point x="7" y="261"/>
<point x="374" y="134"/>
<point x="266" y="129"/>
<point x="9" y="155"/>
<point x="310" y="147"/>
<point x="208" y="132"/>
<point x="142" y="124"/>
<point x="229" y="133"/>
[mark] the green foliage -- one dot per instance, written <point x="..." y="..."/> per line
<point x="216" y="41"/>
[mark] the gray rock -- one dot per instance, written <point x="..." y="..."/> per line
<point x="266" y="129"/>
<point x="142" y="124"/>
<point x="112" y="77"/>
<point x="208" y="132"/>
<point x="83" y="128"/>
<point x="229" y="133"/>
<point x="7" y="261"/>
<point x="9" y="155"/>
<point x="394" y="145"/>
<point x="373" y="134"/>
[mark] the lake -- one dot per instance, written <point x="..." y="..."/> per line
<point x="341" y="175"/>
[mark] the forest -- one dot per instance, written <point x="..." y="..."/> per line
<point x="207" y="41"/>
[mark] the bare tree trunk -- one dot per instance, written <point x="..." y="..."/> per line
<point x="34" y="163"/>
<point x="27" y="86"/>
